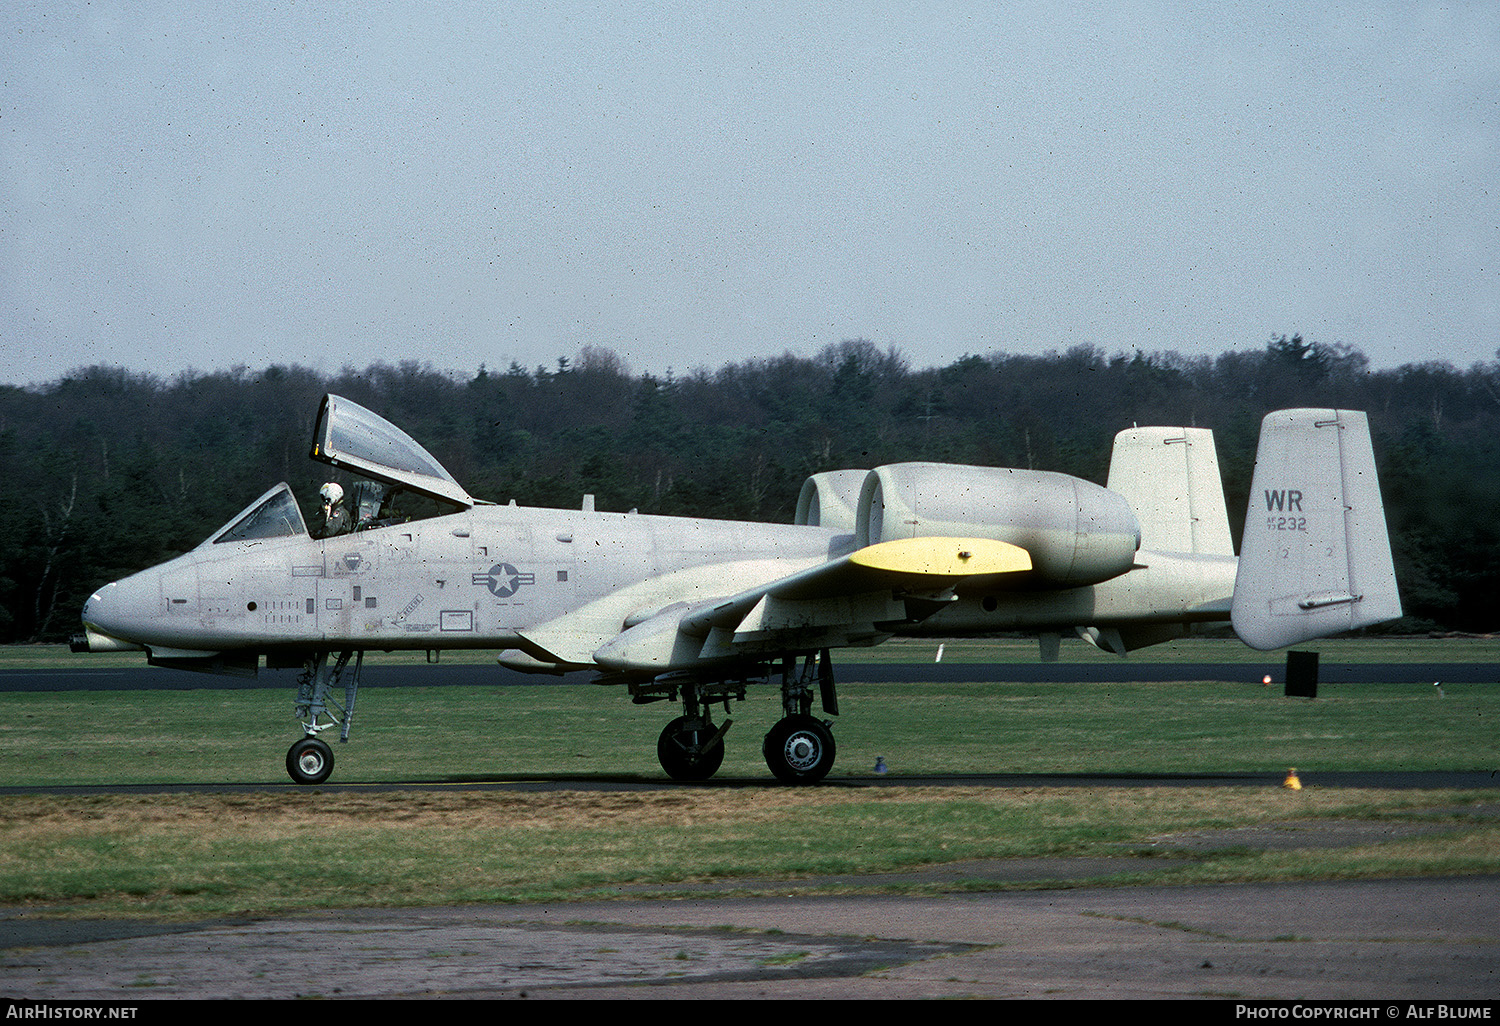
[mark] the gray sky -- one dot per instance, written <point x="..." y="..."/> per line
<point x="196" y="185"/>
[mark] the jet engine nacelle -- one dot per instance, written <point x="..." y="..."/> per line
<point x="1076" y="532"/>
<point x="831" y="499"/>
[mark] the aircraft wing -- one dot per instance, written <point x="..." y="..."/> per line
<point x="839" y="602"/>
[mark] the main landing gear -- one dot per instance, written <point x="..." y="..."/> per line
<point x="691" y="749"/>
<point x="799" y="749"/>
<point x="310" y="760"/>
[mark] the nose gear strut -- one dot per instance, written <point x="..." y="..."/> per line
<point x="310" y="760"/>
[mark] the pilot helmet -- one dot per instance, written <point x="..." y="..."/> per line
<point x="332" y="493"/>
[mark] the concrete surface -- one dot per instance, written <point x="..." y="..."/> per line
<point x="1384" y="940"/>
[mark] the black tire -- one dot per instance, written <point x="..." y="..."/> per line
<point x="681" y="753"/>
<point x="799" y="750"/>
<point x="309" y="761"/>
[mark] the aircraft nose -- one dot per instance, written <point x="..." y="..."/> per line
<point x="113" y="617"/>
<point x="98" y="611"/>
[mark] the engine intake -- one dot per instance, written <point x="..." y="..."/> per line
<point x="831" y="499"/>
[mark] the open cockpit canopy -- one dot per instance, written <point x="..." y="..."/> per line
<point x="351" y="437"/>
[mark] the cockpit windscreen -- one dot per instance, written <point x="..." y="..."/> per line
<point x="273" y="515"/>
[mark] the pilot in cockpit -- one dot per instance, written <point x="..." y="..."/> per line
<point x="335" y="516"/>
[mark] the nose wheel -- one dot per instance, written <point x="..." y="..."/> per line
<point x="799" y="749"/>
<point x="309" y="761"/>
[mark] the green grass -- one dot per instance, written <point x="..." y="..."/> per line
<point x="456" y="733"/>
<point x="279" y="847"/>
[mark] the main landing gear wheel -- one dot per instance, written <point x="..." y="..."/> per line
<point x="799" y="750"/>
<point x="309" y="761"/>
<point x="689" y="750"/>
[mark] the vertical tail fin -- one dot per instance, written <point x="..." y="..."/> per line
<point x="1315" y="558"/>
<point x="1170" y="477"/>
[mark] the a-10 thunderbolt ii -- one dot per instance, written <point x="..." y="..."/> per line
<point x="691" y="610"/>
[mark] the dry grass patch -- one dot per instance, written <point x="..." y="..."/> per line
<point x="36" y="818"/>
<point x="204" y="855"/>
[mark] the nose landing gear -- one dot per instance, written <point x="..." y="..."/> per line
<point x="310" y="760"/>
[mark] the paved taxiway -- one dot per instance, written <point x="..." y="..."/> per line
<point x="1370" y="940"/>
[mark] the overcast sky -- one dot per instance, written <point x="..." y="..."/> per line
<point x="197" y="185"/>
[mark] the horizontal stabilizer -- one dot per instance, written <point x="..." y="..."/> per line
<point x="1315" y="559"/>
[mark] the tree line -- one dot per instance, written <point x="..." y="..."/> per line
<point x="106" y="471"/>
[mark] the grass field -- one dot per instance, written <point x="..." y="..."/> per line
<point x="1226" y="649"/>
<point x="280" y="847"/>
<point x="438" y="734"/>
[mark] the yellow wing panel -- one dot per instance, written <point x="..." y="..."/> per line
<point x="944" y="557"/>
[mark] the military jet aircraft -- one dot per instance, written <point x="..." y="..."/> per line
<point x="692" y="611"/>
